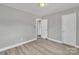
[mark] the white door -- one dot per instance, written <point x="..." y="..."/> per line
<point x="44" y="28"/>
<point x="38" y="26"/>
<point x="69" y="29"/>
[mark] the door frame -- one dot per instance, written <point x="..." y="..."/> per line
<point x="38" y="32"/>
<point x="37" y="29"/>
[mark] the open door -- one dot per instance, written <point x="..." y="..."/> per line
<point x="41" y="28"/>
<point x="38" y="28"/>
<point x="44" y="28"/>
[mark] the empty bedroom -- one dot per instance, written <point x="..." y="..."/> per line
<point x="39" y="28"/>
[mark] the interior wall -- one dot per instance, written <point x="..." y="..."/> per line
<point x="77" y="28"/>
<point x="18" y="26"/>
<point x="15" y="26"/>
<point x="54" y="26"/>
<point x="55" y="22"/>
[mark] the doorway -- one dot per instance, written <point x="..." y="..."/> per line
<point x="41" y="28"/>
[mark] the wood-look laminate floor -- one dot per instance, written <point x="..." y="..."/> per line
<point x="43" y="47"/>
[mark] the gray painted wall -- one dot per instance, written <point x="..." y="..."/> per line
<point x="15" y="26"/>
<point x="54" y="24"/>
<point x="77" y="27"/>
<point x="18" y="26"/>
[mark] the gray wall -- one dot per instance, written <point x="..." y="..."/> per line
<point x="15" y="26"/>
<point x="77" y="27"/>
<point x="54" y="24"/>
<point x="18" y="26"/>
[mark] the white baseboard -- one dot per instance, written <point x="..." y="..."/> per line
<point x="62" y="42"/>
<point x="55" y="40"/>
<point x="77" y="46"/>
<point x="12" y="46"/>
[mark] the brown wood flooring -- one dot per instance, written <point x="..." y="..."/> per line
<point x="43" y="47"/>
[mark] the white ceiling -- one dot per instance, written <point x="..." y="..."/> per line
<point x="34" y="8"/>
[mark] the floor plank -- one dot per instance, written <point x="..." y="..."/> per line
<point x="43" y="47"/>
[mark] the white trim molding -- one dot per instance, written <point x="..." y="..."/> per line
<point x="18" y="44"/>
<point x="55" y="40"/>
<point x="76" y="46"/>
